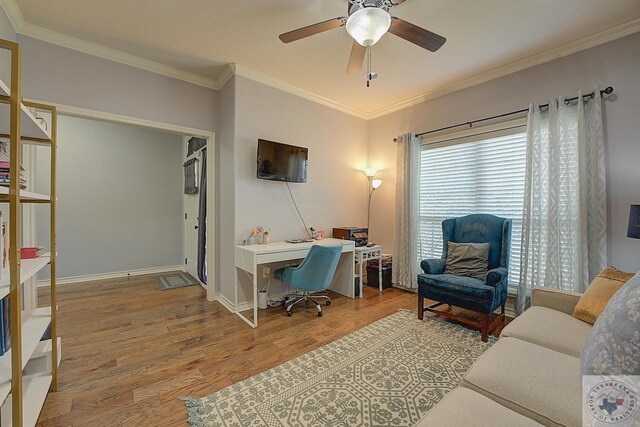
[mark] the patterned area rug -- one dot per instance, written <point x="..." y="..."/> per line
<point x="172" y="281"/>
<point x="390" y="373"/>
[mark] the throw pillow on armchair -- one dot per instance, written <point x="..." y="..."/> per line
<point x="468" y="259"/>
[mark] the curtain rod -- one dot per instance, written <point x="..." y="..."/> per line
<point x="607" y="91"/>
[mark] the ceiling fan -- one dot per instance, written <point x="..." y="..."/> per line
<point x="366" y="23"/>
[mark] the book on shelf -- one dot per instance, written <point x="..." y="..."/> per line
<point x="5" y="175"/>
<point x="6" y="166"/>
<point x="2" y="231"/>
<point x="5" y="246"/>
<point x="5" y="329"/>
<point x="32" y="252"/>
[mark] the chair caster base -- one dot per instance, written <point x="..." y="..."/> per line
<point x="289" y="313"/>
<point x="328" y="303"/>
<point x="320" y="314"/>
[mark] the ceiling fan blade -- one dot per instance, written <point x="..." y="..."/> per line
<point x="357" y="58"/>
<point x="320" y="27"/>
<point x="414" y="34"/>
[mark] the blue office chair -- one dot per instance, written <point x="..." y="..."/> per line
<point x="313" y="275"/>
<point x="482" y="296"/>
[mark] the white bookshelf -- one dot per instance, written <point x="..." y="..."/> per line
<point x="29" y="369"/>
<point x="25" y="195"/>
<point x="28" y="269"/>
<point x="30" y="127"/>
<point x="34" y="325"/>
<point x="35" y="390"/>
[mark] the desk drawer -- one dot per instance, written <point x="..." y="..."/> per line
<point x="281" y="256"/>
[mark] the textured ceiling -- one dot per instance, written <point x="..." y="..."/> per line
<point x="201" y="36"/>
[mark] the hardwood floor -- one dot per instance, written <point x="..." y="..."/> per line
<point x="129" y="350"/>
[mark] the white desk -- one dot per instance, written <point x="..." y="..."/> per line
<point x="248" y="257"/>
<point x="364" y="254"/>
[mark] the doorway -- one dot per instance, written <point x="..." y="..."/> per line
<point x="193" y="169"/>
<point x="158" y="176"/>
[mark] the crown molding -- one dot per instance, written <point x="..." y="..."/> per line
<point x="12" y="11"/>
<point x="259" y="77"/>
<point x="513" y="67"/>
<point x="22" y="27"/>
<point x="100" y="51"/>
<point x="225" y="76"/>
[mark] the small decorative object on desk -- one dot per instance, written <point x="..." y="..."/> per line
<point x="319" y="235"/>
<point x="256" y="235"/>
<point x="265" y="237"/>
<point x="312" y="231"/>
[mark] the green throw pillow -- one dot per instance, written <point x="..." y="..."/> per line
<point x="468" y="259"/>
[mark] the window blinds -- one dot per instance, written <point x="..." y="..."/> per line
<point x="481" y="174"/>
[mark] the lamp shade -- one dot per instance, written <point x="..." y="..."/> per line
<point x="367" y="25"/>
<point x="376" y="183"/>
<point x="634" y="222"/>
<point x="370" y="172"/>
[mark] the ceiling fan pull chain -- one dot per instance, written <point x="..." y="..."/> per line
<point x="368" y="65"/>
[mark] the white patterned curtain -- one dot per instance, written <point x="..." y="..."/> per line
<point x="564" y="237"/>
<point x="406" y="228"/>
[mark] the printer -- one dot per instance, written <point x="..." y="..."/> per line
<point x="360" y="235"/>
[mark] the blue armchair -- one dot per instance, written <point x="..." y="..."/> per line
<point x="467" y="292"/>
<point x="313" y="275"/>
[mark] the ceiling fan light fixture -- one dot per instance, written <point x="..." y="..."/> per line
<point x="368" y="25"/>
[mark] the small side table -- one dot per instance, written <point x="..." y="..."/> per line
<point x="364" y="254"/>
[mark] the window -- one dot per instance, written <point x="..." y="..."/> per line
<point x="478" y="173"/>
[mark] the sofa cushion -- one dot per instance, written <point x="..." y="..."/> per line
<point x="537" y="382"/>
<point x="599" y="293"/>
<point x="465" y="407"/>
<point x="468" y="259"/>
<point x="613" y="346"/>
<point x="549" y="328"/>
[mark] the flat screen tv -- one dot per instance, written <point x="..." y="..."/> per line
<point x="282" y="162"/>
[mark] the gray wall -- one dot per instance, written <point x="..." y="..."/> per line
<point x="119" y="198"/>
<point x="59" y="75"/>
<point x="335" y="193"/>
<point x="6" y="33"/>
<point x="226" y="192"/>
<point x="616" y="63"/>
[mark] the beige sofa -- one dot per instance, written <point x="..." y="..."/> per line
<point x="530" y="377"/>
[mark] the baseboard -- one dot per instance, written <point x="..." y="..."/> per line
<point x="510" y="305"/>
<point x="114" y="275"/>
<point x="226" y="303"/>
<point x="247" y="305"/>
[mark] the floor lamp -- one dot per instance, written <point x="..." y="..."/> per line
<point x="373" y="184"/>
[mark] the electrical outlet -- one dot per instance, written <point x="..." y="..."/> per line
<point x="266" y="272"/>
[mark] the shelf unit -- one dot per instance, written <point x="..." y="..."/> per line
<point x="29" y="370"/>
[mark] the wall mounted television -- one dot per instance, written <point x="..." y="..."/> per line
<point x="281" y="162"/>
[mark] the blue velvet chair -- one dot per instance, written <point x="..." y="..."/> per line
<point x="466" y="292"/>
<point x="313" y="275"/>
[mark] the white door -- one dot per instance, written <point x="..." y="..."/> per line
<point x="191" y="234"/>
<point x="191" y="202"/>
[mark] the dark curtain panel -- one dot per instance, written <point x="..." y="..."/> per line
<point x="190" y="176"/>
<point x="202" y="221"/>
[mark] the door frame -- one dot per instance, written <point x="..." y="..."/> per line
<point x="185" y="141"/>
<point x="85" y="113"/>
